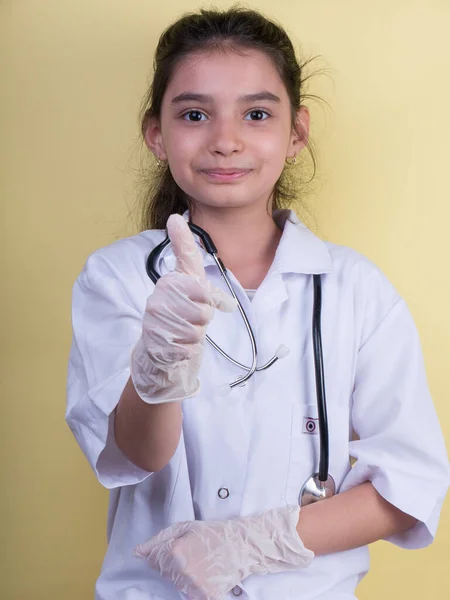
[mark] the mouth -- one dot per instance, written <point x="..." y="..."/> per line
<point x="225" y="174"/>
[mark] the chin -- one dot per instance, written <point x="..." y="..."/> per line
<point x="223" y="202"/>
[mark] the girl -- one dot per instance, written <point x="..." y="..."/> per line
<point x="205" y="486"/>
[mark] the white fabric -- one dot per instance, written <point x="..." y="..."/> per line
<point x="207" y="559"/>
<point x="167" y="358"/>
<point x="252" y="442"/>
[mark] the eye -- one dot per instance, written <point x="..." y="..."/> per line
<point x="256" y="115"/>
<point x="195" y="114"/>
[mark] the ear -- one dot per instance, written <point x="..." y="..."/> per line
<point x="300" y="134"/>
<point x="153" y="138"/>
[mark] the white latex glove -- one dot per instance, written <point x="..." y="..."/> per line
<point x="206" y="559"/>
<point x="166" y="360"/>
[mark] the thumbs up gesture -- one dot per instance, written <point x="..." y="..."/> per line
<point x="167" y="358"/>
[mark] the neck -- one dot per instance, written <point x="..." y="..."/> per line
<point x="246" y="239"/>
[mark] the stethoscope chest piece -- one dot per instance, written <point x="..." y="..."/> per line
<point x="314" y="490"/>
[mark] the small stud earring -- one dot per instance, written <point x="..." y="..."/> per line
<point x="291" y="162"/>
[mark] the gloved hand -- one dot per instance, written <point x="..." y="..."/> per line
<point x="206" y="559"/>
<point x="166" y="360"/>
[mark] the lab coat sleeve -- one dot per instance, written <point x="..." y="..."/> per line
<point x="400" y="449"/>
<point x="106" y="326"/>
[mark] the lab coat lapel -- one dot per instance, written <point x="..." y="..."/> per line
<point x="270" y="295"/>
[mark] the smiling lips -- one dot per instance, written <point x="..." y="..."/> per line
<point x="225" y="174"/>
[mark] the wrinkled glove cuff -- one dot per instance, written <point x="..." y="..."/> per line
<point x="280" y="546"/>
<point x="155" y="386"/>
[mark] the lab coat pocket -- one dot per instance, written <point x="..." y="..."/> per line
<point x="304" y="449"/>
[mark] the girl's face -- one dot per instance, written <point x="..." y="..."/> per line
<point x="225" y="128"/>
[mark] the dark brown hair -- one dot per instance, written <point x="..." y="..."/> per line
<point x="234" y="29"/>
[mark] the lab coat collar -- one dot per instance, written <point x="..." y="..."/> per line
<point x="299" y="250"/>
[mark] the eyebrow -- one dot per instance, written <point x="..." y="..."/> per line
<point x="206" y="99"/>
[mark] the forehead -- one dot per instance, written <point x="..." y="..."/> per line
<point x="226" y="74"/>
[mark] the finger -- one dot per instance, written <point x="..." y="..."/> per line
<point x="172" y="532"/>
<point x="184" y="246"/>
<point x="222" y="300"/>
<point x="157" y="556"/>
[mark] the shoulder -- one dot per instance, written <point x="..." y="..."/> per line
<point x="116" y="273"/>
<point x="348" y="262"/>
<point x="362" y="283"/>
<point x="353" y="266"/>
<point x="124" y="258"/>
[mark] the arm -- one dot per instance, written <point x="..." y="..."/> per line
<point x="122" y="432"/>
<point x="166" y="360"/>
<point x="148" y="434"/>
<point x="349" y="520"/>
<point x="394" y="491"/>
<point x="219" y="554"/>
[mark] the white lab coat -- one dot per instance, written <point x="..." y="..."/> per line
<point x="253" y="442"/>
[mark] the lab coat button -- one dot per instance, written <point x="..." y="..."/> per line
<point x="223" y="493"/>
<point x="237" y="591"/>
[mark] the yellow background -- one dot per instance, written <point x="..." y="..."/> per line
<point x="72" y="76"/>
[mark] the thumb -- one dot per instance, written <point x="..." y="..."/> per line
<point x="187" y="253"/>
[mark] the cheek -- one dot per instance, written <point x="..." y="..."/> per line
<point x="272" y="142"/>
<point x="272" y="153"/>
<point x="181" y="141"/>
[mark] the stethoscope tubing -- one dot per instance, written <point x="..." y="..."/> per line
<point x="211" y="249"/>
<point x="320" y="381"/>
<point x="316" y="334"/>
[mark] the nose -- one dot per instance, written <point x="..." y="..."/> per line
<point x="225" y="137"/>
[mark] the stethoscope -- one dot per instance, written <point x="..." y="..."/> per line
<point x="320" y="485"/>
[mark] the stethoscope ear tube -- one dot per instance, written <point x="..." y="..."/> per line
<point x="151" y="260"/>
<point x="320" y="381"/>
<point x="205" y="237"/>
